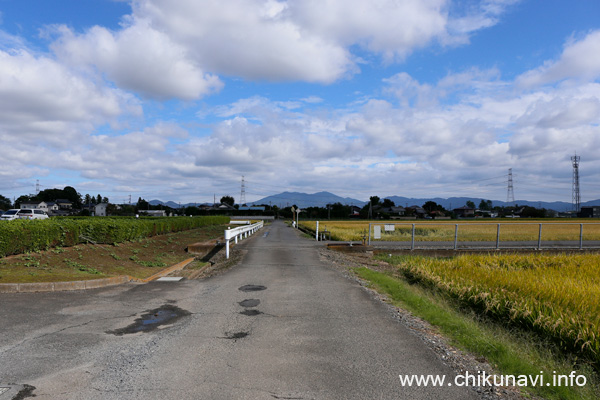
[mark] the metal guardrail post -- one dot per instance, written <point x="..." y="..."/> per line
<point x="580" y="236"/>
<point x="540" y="238"/>
<point x="369" y="233"/>
<point x="412" y="244"/>
<point x="227" y="243"/>
<point x="498" y="237"/>
<point x="456" y="237"/>
<point x="242" y="232"/>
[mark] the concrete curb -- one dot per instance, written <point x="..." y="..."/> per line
<point x="83" y="285"/>
<point x="62" y="286"/>
<point x="168" y="270"/>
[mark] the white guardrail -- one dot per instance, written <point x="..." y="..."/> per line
<point x="241" y="233"/>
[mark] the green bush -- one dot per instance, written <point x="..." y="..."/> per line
<point x="21" y="236"/>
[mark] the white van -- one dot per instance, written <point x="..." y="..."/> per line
<point x="24" y="213"/>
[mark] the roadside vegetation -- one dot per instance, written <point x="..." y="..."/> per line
<point x="473" y="230"/>
<point x="139" y="258"/>
<point x="525" y="313"/>
<point x="23" y="236"/>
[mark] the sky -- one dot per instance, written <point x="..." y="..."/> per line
<point x="183" y="100"/>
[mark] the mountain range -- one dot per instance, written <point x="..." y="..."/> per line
<point x="321" y="199"/>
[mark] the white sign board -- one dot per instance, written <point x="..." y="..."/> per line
<point x="389" y="227"/>
<point x="377" y="231"/>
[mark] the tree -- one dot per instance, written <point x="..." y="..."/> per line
<point x="98" y="199"/>
<point x="22" y="199"/>
<point x="142" y="205"/>
<point x="431" y="206"/>
<point x="87" y="199"/>
<point x="470" y="204"/>
<point x="374" y="200"/>
<point x="228" y="200"/>
<point x="388" y="203"/>
<point x="192" y="210"/>
<point x="71" y="194"/>
<point x="5" y="203"/>
<point x="105" y="200"/>
<point x="485" y="205"/>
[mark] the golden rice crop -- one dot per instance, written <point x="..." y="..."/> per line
<point x="477" y="230"/>
<point x="556" y="295"/>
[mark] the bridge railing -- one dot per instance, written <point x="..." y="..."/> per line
<point x="239" y="233"/>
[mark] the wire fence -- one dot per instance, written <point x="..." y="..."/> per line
<point x="486" y="235"/>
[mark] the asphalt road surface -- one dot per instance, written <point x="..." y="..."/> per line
<point x="280" y="325"/>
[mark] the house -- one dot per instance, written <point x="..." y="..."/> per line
<point x="589" y="212"/>
<point x="49" y="207"/>
<point x="251" y="208"/>
<point x="224" y="207"/>
<point x="354" y="211"/>
<point x="40" y="205"/>
<point x="417" y="211"/>
<point x="155" y="213"/>
<point x="100" y="210"/>
<point x="64" y="204"/>
<point x="464" y="212"/>
<point x="397" y="211"/>
<point x="437" y="214"/>
<point x="52" y="207"/>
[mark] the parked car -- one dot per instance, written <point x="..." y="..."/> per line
<point x="24" y="213"/>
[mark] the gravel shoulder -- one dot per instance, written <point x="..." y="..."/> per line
<point x="460" y="361"/>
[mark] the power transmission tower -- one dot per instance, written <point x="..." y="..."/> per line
<point x="576" y="195"/>
<point x="510" y="195"/>
<point x="37" y="186"/>
<point x="243" y="192"/>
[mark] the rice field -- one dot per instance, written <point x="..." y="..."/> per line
<point x="554" y="295"/>
<point x="477" y="231"/>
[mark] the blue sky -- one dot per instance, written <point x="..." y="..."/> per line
<point x="416" y="98"/>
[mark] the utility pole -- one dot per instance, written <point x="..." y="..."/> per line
<point x="576" y="195"/>
<point x="243" y="193"/>
<point x="510" y="195"/>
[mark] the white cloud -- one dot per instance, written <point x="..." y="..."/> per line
<point x="580" y="60"/>
<point x="177" y="49"/>
<point x="468" y="17"/>
<point x="41" y="100"/>
<point x="138" y="58"/>
<point x="391" y="28"/>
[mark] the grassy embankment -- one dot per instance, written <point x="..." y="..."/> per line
<point x="91" y="248"/>
<point x="524" y="313"/>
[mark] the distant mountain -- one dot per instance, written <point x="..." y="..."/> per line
<point x="321" y="199"/>
<point x="171" y="204"/>
<point x="303" y="200"/>
<point x="455" y="202"/>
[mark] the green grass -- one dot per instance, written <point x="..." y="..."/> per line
<point x="555" y="295"/>
<point x="510" y="352"/>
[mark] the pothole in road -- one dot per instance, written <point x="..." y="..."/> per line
<point x="236" y="335"/>
<point x="252" y="288"/>
<point x="250" y="313"/>
<point x="164" y="315"/>
<point x="249" y="303"/>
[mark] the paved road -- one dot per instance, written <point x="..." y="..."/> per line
<point x="309" y="334"/>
